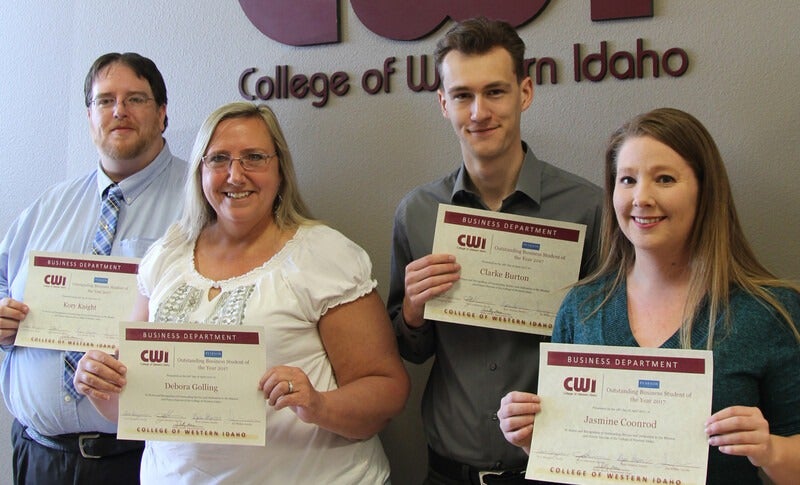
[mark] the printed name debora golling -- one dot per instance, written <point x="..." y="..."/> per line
<point x="190" y="387"/>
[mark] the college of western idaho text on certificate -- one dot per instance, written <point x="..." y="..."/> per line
<point x="621" y="414"/>
<point x="514" y="269"/>
<point x="194" y="383"/>
<point x="77" y="301"/>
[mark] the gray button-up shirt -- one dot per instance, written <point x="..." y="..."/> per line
<point x="475" y="367"/>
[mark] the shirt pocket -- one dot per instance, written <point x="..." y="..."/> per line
<point x="134" y="247"/>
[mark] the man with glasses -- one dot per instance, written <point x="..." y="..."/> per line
<point x="57" y="435"/>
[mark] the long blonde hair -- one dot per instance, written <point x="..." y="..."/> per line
<point x="721" y="257"/>
<point x="289" y="209"/>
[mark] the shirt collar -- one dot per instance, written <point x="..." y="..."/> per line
<point x="529" y="182"/>
<point x="133" y="186"/>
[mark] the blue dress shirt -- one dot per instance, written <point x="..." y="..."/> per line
<point x="64" y="219"/>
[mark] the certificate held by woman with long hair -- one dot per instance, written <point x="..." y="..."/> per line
<point x="621" y="414"/>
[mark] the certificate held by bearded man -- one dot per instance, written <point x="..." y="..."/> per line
<point x="77" y="300"/>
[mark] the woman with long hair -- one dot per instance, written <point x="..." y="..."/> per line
<point x="677" y="272"/>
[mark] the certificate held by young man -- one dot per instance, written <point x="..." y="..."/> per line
<point x="514" y="269"/>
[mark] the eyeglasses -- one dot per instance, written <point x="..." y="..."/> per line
<point x="132" y="101"/>
<point x="221" y="162"/>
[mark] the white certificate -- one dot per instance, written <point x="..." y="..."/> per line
<point x="621" y="414"/>
<point x="195" y="383"/>
<point x="514" y="269"/>
<point x="77" y="301"/>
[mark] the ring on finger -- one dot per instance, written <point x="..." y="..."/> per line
<point x="291" y="386"/>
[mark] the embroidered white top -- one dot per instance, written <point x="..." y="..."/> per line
<point x="316" y="270"/>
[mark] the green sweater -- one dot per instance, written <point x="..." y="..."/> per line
<point x="756" y="362"/>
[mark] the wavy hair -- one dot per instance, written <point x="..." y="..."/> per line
<point x="721" y="258"/>
<point x="478" y="36"/>
<point x="289" y="209"/>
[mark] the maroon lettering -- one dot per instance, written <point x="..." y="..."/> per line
<point x="666" y="61"/>
<point x="597" y="57"/>
<point x="314" y="22"/>
<point x="155" y="356"/>
<point x="424" y="81"/>
<point x="626" y="65"/>
<point x="580" y="384"/>
<point x="621" y="9"/>
<point x="298" y="86"/>
<point x="284" y="86"/>
<point x="540" y="64"/>
<point x="55" y="280"/>
<point x="468" y="241"/>
<point x="641" y="55"/>
<point x="373" y="80"/>
<point x="404" y="20"/>
<point x="295" y="22"/>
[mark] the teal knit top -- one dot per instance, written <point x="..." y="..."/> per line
<point x="756" y="359"/>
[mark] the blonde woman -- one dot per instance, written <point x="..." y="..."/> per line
<point x="246" y="251"/>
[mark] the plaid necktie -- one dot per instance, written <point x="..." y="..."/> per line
<point x="106" y="228"/>
<point x="107" y="225"/>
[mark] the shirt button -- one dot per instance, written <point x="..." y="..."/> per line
<point x="494" y="416"/>
<point x="492" y="366"/>
<point x="67" y="398"/>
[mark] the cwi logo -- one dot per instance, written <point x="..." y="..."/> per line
<point x="314" y="22"/>
<point x="55" y="280"/>
<point x="580" y="384"/>
<point x="471" y="242"/>
<point x="155" y="356"/>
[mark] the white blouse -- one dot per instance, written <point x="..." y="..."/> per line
<point x="316" y="270"/>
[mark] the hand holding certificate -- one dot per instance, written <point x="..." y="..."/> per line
<point x="613" y="414"/>
<point x="77" y="300"/>
<point x="514" y="269"/>
<point x="192" y="383"/>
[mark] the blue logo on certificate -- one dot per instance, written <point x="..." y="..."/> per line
<point x="531" y="246"/>
<point x="213" y="353"/>
<point x="649" y="384"/>
<point x="101" y="280"/>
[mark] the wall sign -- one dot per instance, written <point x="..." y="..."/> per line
<point x="314" y="22"/>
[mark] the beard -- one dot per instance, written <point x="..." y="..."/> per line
<point x="124" y="151"/>
<point x="128" y="147"/>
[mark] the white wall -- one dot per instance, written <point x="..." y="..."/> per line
<point x="357" y="156"/>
